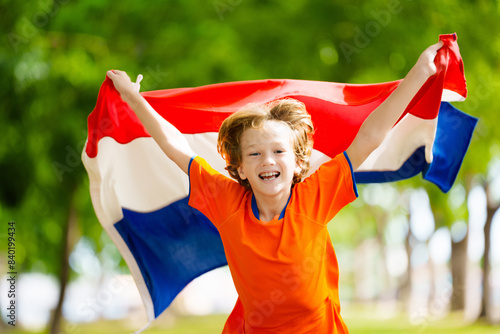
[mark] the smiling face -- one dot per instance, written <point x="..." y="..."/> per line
<point x="285" y="118"/>
<point x="268" y="159"/>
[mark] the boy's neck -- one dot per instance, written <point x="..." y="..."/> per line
<point x="271" y="206"/>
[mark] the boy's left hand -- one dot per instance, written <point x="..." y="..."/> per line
<point x="425" y="66"/>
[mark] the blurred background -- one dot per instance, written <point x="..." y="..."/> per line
<point x="412" y="259"/>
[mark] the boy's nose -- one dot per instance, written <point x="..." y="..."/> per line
<point x="267" y="159"/>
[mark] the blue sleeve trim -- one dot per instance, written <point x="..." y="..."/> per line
<point x="354" y="186"/>
<point x="255" y="209"/>
<point x="190" y="162"/>
<point x="189" y="174"/>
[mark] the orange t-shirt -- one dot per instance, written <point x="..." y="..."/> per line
<point x="285" y="271"/>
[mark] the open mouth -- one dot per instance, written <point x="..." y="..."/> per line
<point x="269" y="176"/>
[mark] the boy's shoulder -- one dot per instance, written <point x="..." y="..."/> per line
<point x="336" y="171"/>
<point x="211" y="178"/>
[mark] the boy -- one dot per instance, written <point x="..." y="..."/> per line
<point x="273" y="226"/>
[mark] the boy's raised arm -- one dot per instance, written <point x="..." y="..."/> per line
<point x="378" y="124"/>
<point x="170" y="140"/>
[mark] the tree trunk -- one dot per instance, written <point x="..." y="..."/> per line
<point x="459" y="262"/>
<point x="381" y="222"/>
<point x="459" y="272"/>
<point x="68" y="242"/>
<point x="406" y="283"/>
<point x="485" y="302"/>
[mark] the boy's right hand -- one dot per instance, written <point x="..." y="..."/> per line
<point x="123" y="84"/>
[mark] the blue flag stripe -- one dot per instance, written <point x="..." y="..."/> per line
<point x="171" y="246"/>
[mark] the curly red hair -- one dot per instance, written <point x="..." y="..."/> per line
<point x="289" y="111"/>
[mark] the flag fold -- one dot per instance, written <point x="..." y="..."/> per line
<point x="140" y="196"/>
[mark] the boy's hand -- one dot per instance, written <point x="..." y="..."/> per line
<point x="425" y="66"/>
<point x="123" y="84"/>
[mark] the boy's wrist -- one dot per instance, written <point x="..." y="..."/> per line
<point x="422" y="71"/>
<point x="132" y="98"/>
<point x="418" y="76"/>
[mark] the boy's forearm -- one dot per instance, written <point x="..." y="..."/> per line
<point x="168" y="137"/>
<point x="382" y="119"/>
<point x="378" y="124"/>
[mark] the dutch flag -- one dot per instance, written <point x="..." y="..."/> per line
<point x="140" y="197"/>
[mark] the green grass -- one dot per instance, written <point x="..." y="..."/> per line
<point x="359" y="321"/>
<point x="364" y="319"/>
<point x="401" y="325"/>
<point x="361" y="324"/>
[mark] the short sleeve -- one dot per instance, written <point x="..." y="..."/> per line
<point x="213" y="194"/>
<point x="323" y="194"/>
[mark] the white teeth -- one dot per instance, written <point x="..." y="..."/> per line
<point x="269" y="175"/>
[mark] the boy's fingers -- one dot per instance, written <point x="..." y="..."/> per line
<point x="113" y="74"/>
<point x="116" y="72"/>
<point x="436" y="47"/>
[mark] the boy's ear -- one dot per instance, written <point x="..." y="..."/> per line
<point x="241" y="173"/>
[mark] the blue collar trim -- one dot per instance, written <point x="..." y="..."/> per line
<point x="255" y="209"/>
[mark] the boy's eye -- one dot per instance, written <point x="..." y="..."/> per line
<point x="254" y="154"/>
<point x="279" y="151"/>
